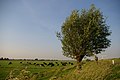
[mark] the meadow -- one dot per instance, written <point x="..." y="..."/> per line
<point x="59" y="70"/>
<point x="27" y="70"/>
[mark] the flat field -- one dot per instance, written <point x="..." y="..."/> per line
<point x="59" y="70"/>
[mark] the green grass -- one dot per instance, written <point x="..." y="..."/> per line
<point x="104" y="70"/>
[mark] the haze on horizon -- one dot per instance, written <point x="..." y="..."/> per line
<point x="28" y="27"/>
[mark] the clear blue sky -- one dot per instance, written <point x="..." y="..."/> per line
<point x="27" y="27"/>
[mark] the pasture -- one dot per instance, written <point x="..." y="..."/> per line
<point x="32" y="70"/>
<point x="59" y="70"/>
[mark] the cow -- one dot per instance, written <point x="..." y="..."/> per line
<point x="57" y="63"/>
<point x="9" y="63"/>
<point x="42" y="65"/>
<point x="50" y="64"/>
<point x="64" y="63"/>
<point x="34" y="63"/>
<point x="20" y="62"/>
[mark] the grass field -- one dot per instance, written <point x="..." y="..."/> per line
<point x="33" y="70"/>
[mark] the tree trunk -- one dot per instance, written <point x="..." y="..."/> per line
<point x="79" y="59"/>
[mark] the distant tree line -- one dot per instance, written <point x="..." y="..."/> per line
<point x="4" y="58"/>
<point x="36" y="59"/>
<point x="45" y="59"/>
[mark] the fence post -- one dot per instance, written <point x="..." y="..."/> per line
<point x="113" y="62"/>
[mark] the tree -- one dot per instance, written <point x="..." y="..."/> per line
<point x="1" y="58"/>
<point x="36" y="59"/>
<point x="84" y="34"/>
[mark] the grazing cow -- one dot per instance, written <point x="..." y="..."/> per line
<point x="20" y="62"/>
<point x="29" y="62"/>
<point x="51" y="64"/>
<point x="57" y="63"/>
<point x="42" y="65"/>
<point x="64" y="63"/>
<point x="37" y="64"/>
<point x="9" y="63"/>
<point x="34" y="63"/>
<point x="71" y="63"/>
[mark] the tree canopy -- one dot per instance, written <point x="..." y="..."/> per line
<point x="84" y="33"/>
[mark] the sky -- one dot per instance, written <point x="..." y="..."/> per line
<point x="28" y="27"/>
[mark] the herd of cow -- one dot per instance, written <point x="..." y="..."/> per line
<point x="51" y="64"/>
